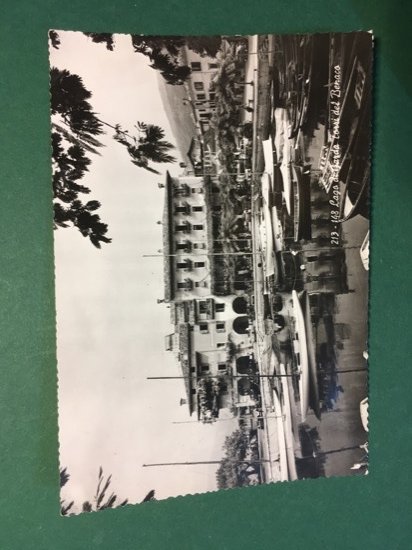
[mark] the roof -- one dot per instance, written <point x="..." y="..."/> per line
<point x="168" y="240"/>
<point x="185" y="350"/>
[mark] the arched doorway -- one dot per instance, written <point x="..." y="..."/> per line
<point x="277" y="302"/>
<point x="279" y="322"/>
<point x="244" y="386"/>
<point x="241" y="324"/>
<point x="239" y="305"/>
<point x="245" y="365"/>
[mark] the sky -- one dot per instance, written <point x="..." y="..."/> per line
<point x="110" y="329"/>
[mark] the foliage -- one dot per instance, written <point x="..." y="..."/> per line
<point x="104" y="498"/>
<point x="54" y="39"/>
<point x="148" y="145"/>
<point x="69" y="166"/>
<point x="238" y="467"/>
<point x="102" y="38"/>
<point x="163" y="53"/>
<point x="65" y="507"/>
<point x="76" y="136"/>
<point x="204" y="45"/>
<point x="69" y="99"/>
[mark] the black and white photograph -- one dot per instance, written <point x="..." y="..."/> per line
<point x="211" y="201"/>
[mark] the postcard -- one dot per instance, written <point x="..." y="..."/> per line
<point x="211" y="216"/>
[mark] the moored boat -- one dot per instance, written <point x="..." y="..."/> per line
<point x="283" y="457"/>
<point x="301" y="354"/>
<point x="313" y="371"/>
<point x="287" y="416"/>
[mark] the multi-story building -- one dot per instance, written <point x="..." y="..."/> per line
<point x="198" y="86"/>
<point x="186" y="238"/>
<point x="212" y="337"/>
<point x="213" y="344"/>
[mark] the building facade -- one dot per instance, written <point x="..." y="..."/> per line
<point x="198" y="86"/>
<point x="212" y="338"/>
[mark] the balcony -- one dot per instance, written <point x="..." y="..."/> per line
<point x="182" y="190"/>
<point x="184" y="227"/>
<point x="182" y="208"/>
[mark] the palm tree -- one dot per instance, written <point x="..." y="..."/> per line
<point x="148" y="145"/>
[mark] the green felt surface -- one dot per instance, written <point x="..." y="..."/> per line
<point x="369" y="513"/>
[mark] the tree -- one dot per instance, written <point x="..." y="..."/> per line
<point x="69" y="166"/>
<point x="104" y="498"/>
<point x="75" y="135"/>
<point x="81" y="216"/>
<point x="170" y="70"/>
<point x="54" y="39"/>
<point x="204" y="45"/>
<point x="102" y="38"/>
<point x="235" y="465"/>
<point x="148" y="145"/>
<point x="163" y="53"/>
<point x="69" y="99"/>
<point x="65" y="507"/>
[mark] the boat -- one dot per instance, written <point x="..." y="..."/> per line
<point x="301" y="204"/>
<point x="268" y="156"/>
<point x="301" y="353"/>
<point x="313" y="371"/>
<point x="267" y="233"/>
<point x="277" y="230"/>
<point x="287" y="415"/>
<point x="283" y="457"/>
<point x="364" y="252"/>
<point x="285" y="170"/>
<point x="364" y="405"/>
<point x="355" y="195"/>
<point x="355" y="163"/>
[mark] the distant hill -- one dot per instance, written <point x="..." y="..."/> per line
<point x="178" y="114"/>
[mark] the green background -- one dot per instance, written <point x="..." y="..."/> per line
<point x="369" y="513"/>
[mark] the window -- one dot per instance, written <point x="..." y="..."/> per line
<point x="199" y="264"/>
<point x="220" y="308"/>
<point x="197" y="208"/>
<point x="212" y="65"/>
<point x="212" y="96"/>
<point x="193" y="391"/>
<point x="204" y="328"/>
<point x="221" y="366"/>
<point x="187" y="284"/>
<point x="183" y="227"/>
<point x="183" y="246"/>
<point x="197" y="190"/>
<point x="185" y="264"/>
<point x="201" y="97"/>
<point x="220" y="327"/>
<point x="204" y="368"/>
<point x="201" y="284"/>
<point x="199" y="86"/>
<point x="198" y="227"/>
<point x="196" y="66"/>
<point x="202" y="307"/>
<point x="221" y="344"/>
<point x="181" y="208"/>
<point x="192" y="369"/>
<point x="199" y="245"/>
